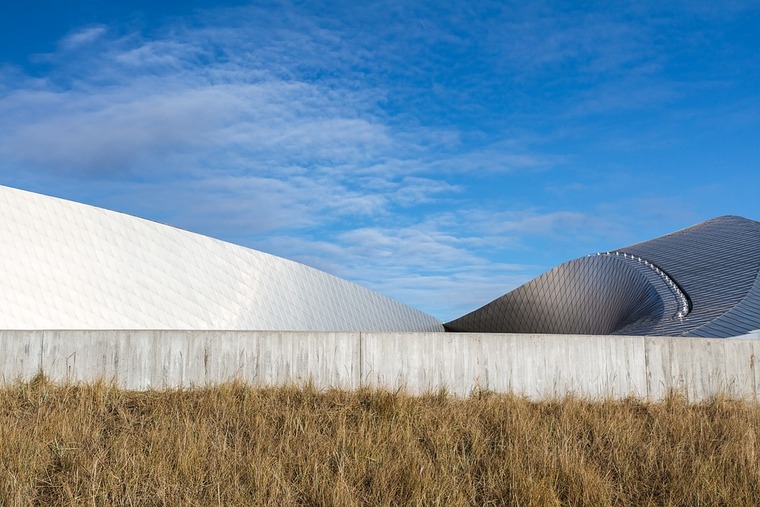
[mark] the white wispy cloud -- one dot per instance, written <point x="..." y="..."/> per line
<point x="424" y="264"/>
<point x="82" y="37"/>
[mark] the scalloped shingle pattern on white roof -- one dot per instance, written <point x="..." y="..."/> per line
<point x="66" y="265"/>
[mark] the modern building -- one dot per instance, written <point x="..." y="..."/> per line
<point x="701" y="281"/>
<point x="65" y="265"/>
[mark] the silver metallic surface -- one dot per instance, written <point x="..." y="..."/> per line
<point x="701" y="281"/>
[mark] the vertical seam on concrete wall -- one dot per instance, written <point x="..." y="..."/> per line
<point x="42" y="349"/>
<point x="752" y="366"/>
<point x="729" y="383"/>
<point x="361" y="359"/>
<point x="647" y="368"/>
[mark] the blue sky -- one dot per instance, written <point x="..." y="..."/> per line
<point x="441" y="153"/>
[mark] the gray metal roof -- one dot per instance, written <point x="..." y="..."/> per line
<point x="701" y="281"/>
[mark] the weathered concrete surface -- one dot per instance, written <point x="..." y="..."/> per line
<point x="164" y="359"/>
<point x="700" y="367"/>
<point x="20" y="354"/>
<point x="537" y="366"/>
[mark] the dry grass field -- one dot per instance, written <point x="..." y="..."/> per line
<point x="236" y="445"/>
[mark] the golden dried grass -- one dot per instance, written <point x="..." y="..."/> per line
<point x="238" y="445"/>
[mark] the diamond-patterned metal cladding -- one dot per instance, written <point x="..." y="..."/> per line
<point x="701" y="281"/>
<point x="66" y="265"/>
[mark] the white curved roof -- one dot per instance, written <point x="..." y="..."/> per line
<point x="65" y="265"/>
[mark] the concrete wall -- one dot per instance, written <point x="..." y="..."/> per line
<point x="537" y="366"/>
